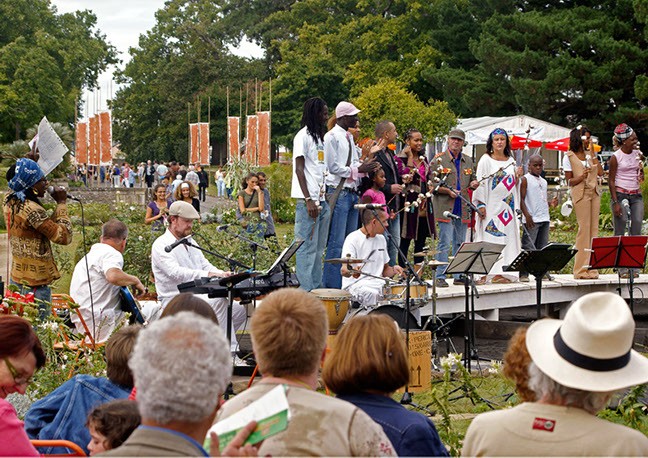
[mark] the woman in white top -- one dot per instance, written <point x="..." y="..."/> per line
<point x="497" y="199"/>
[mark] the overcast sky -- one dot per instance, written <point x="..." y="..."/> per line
<point x="122" y="22"/>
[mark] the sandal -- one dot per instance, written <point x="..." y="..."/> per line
<point x="481" y="281"/>
<point x="501" y="280"/>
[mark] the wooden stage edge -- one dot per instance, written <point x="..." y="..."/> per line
<point x="558" y="293"/>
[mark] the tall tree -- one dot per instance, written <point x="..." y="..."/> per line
<point x="45" y="61"/>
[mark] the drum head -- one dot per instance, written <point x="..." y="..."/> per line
<point x="398" y="314"/>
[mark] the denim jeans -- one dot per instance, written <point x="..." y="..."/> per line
<point x="42" y="294"/>
<point x="314" y="233"/>
<point x="393" y="232"/>
<point x="344" y="220"/>
<point x="451" y="236"/>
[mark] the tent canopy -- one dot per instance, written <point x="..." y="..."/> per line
<point x="478" y="129"/>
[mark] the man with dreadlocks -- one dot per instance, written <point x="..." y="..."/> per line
<point x="31" y="230"/>
<point x="312" y="213"/>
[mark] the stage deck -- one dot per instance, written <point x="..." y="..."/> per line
<point x="559" y="292"/>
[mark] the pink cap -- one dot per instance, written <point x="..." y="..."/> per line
<point x="345" y="109"/>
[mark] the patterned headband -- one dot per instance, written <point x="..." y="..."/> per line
<point x="498" y="131"/>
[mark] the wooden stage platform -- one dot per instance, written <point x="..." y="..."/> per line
<point x="558" y="293"/>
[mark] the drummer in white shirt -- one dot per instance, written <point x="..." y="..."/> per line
<point x="369" y="244"/>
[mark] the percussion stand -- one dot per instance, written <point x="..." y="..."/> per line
<point x="435" y="343"/>
<point x="411" y="273"/>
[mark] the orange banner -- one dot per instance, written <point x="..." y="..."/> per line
<point x="263" y="139"/>
<point x="251" y="131"/>
<point x="93" y="141"/>
<point x="105" y="137"/>
<point x="81" y="147"/>
<point x="203" y="157"/>
<point x="233" y="135"/>
<point x="193" y="142"/>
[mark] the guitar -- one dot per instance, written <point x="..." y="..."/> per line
<point x="129" y="304"/>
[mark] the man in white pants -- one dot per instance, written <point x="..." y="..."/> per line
<point x="184" y="263"/>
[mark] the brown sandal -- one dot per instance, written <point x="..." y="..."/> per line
<point x="501" y="280"/>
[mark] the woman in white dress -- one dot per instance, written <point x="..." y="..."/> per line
<point x="497" y="200"/>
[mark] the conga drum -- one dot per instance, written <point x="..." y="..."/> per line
<point x="336" y="302"/>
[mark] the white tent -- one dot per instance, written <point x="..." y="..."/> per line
<point x="478" y="129"/>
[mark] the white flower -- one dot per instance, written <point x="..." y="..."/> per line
<point x="131" y="208"/>
<point x="140" y="238"/>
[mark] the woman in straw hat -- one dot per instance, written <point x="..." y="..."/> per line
<point x="577" y="365"/>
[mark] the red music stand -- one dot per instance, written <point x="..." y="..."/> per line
<point x="621" y="251"/>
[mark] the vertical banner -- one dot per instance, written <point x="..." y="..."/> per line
<point x="251" y="131"/>
<point x="263" y="148"/>
<point x="233" y="136"/>
<point x="93" y="141"/>
<point x="193" y="142"/>
<point x="203" y="157"/>
<point x="105" y="137"/>
<point x="81" y="153"/>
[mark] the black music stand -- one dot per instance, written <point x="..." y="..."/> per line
<point x="538" y="263"/>
<point x="472" y="258"/>
<point x="621" y="251"/>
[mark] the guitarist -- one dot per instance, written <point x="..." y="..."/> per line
<point x="105" y="263"/>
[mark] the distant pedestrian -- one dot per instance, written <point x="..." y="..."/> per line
<point x="219" y="176"/>
<point x="203" y="184"/>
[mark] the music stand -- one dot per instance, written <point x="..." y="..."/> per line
<point x="621" y="251"/>
<point x="473" y="258"/>
<point x="538" y="263"/>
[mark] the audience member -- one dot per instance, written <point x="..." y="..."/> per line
<point x="187" y="302"/>
<point x="187" y="192"/>
<point x="203" y="183"/>
<point x="192" y="177"/>
<point x="577" y="365"/>
<point x="289" y="339"/>
<point x="158" y="209"/>
<point x="62" y="414"/>
<point x="250" y="204"/>
<point x="367" y="365"/>
<point x="516" y="365"/>
<point x="21" y="354"/>
<point x="266" y="214"/>
<point x="110" y="424"/>
<point x="176" y="183"/>
<point x="219" y="177"/>
<point x="181" y="367"/>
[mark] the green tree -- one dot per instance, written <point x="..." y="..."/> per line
<point x="45" y="61"/>
<point x="389" y="99"/>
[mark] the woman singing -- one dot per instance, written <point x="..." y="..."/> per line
<point x="582" y="169"/>
<point x="497" y="200"/>
<point x="418" y="220"/>
<point x="626" y="175"/>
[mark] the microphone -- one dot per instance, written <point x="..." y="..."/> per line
<point x="50" y="191"/>
<point x="369" y="206"/>
<point x="448" y="214"/>
<point x="626" y="206"/>
<point x="181" y="241"/>
<point x="223" y="228"/>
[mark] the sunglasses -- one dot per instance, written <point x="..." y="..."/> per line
<point x="18" y="379"/>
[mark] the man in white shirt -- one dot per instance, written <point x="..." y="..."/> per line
<point x="344" y="169"/>
<point x="192" y="176"/>
<point x="184" y="263"/>
<point x="105" y="262"/>
<point x="368" y="243"/>
<point x="312" y="214"/>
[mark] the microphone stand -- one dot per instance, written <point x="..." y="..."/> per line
<point x="233" y="263"/>
<point x="411" y="274"/>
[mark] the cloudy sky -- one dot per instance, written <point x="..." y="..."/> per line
<point x="122" y="21"/>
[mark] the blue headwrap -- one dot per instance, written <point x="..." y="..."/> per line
<point x="28" y="173"/>
<point x="498" y="131"/>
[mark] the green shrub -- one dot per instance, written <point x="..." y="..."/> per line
<point x="279" y="185"/>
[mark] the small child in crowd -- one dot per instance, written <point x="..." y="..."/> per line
<point x="371" y="187"/>
<point x="110" y="424"/>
